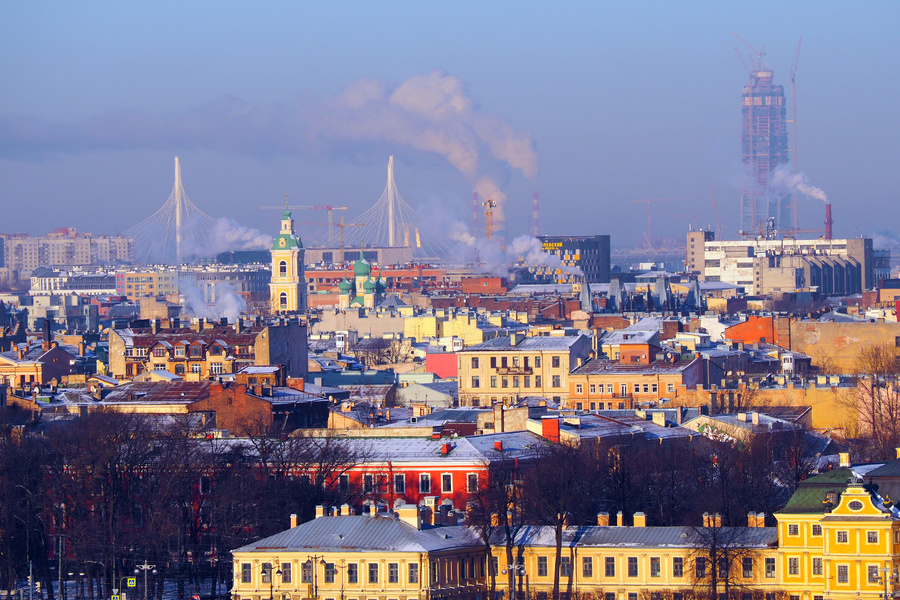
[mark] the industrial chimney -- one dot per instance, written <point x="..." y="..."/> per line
<point x="828" y="222"/>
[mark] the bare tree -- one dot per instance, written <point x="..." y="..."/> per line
<point x="875" y="401"/>
<point x="718" y="553"/>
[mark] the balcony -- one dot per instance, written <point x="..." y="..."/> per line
<point x="515" y="371"/>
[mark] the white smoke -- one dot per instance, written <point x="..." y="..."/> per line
<point x="796" y="182"/>
<point x="230" y="235"/>
<point x="524" y="251"/>
<point x="210" y="301"/>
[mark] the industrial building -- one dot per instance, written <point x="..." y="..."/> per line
<point x="590" y="253"/>
<point x="762" y="266"/>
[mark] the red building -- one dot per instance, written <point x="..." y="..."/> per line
<point x="442" y="364"/>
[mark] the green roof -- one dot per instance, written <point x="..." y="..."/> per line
<point x="289" y="242"/>
<point x="811" y="493"/>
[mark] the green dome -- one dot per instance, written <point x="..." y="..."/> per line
<point x="369" y="285"/>
<point x="362" y="266"/>
<point x="345" y="285"/>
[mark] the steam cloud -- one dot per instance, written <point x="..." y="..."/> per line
<point x="523" y="251"/>
<point x="212" y="302"/>
<point x="783" y="177"/>
<point x="230" y="235"/>
<point x="431" y="113"/>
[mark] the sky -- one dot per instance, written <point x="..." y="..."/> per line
<point x="593" y="105"/>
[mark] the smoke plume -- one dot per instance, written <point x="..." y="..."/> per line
<point x="230" y="235"/>
<point x="211" y="301"/>
<point x="782" y="177"/>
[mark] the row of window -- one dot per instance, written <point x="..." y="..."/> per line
<point x="609" y="567"/>
<point x="525" y="380"/>
<point x="505" y="362"/>
<point x="352" y="571"/>
<point x="841" y="536"/>
<point x="372" y="483"/>
<point x="638" y="388"/>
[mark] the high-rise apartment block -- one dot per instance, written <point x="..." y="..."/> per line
<point x="64" y="247"/>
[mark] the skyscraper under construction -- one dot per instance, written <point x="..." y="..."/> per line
<point x="764" y="145"/>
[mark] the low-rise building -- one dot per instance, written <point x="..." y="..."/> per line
<point x="606" y="384"/>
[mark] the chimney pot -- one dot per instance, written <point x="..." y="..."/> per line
<point x="498" y="446"/>
<point x="293" y="520"/>
<point x="603" y="519"/>
<point x="620" y="519"/>
<point x="640" y="519"/>
<point x="320" y="510"/>
<point x="445" y="448"/>
<point x="845" y="459"/>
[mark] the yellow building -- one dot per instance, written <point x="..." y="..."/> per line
<point x="504" y="369"/>
<point x="141" y="284"/>
<point x="444" y="324"/>
<point x="287" y="289"/>
<point x="605" y="384"/>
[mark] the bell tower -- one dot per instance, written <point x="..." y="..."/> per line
<point x="287" y="288"/>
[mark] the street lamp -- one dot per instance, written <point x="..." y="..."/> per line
<point x="145" y="568"/>
<point x="887" y="576"/>
<point x="267" y="572"/>
<point x="311" y="563"/>
<point x="521" y="572"/>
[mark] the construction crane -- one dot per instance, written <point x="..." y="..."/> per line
<point x="327" y="207"/>
<point x="649" y="201"/>
<point x="794" y="122"/>
<point x="716" y="209"/>
<point x="489" y="217"/>
<point x="342" y="225"/>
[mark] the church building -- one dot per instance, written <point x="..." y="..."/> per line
<point x="287" y="289"/>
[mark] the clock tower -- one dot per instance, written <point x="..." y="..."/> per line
<point x="287" y="288"/>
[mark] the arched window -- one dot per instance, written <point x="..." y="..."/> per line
<point x="282" y="300"/>
<point x="282" y="269"/>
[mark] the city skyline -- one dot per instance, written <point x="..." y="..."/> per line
<point x="593" y="107"/>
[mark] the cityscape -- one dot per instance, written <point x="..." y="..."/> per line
<point x="573" y="316"/>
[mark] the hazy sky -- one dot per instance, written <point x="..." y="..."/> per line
<point x="592" y="104"/>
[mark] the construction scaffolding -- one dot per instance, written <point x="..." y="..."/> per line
<point x="764" y="146"/>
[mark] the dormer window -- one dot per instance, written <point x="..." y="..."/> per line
<point x="179" y="351"/>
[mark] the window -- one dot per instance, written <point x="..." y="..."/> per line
<point x="700" y="568"/>
<point x="554" y="362"/>
<point x="282" y="300"/>
<point x="542" y="566"/>
<point x="677" y="567"/>
<point x="285" y="572"/>
<point x="537" y="362"/>
<point x="179" y="351"/>
<point x="817" y="566"/>
<point x="504" y="382"/>
<point x="344" y="483"/>
<point x="246" y="573"/>
<point x="446" y="482"/>
<point x="723" y="568"/>
<point x="747" y="567"/>
<point x="537" y="381"/>
<point x="654" y="566"/>
<point x="306" y="572"/>
<point x="557" y="381"/>
<point x="493" y="381"/>
<point x="266" y="573"/>
<point x="373" y="572"/>
<point x="216" y="368"/>
<point x="654" y="388"/>
<point x="413" y="573"/>
<point x="873" y="573"/>
<point x="393" y="573"/>
<point x="476" y="381"/>
<point x="587" y="566"/>
<point x="282" y="269"/>
<point x="793" y="529"/>
<point x="609" y="596"/>
<point x="579" y="389"/>
<point x="632" y="566"/>
<point x="515" y="381"/>
<point x="493" y="362"/>
<point x="793" y="566"/>
<point x="842" y="537"/>
<point x="527" y="382"/>
<point x="871" y="537"/>
<point x="610" y="566"/>
<point x="503" y="362"/>
<point x="770" y="568"/>
<point x="159" y="351"/>
<point x="565" y="566"/>
<point x="434" y="572"/>
<point x="816" y="529"/>
<point x="593" y="388"/>
<point x="623" y="389"/>
<point x="425" y="483"/>
<point x="474" y="362"/>
<point x="670" y="387"/>
<point x="843" y="574"/>
<point x="399" y="483"/>
<point x="472" y="482"/>
<point x="329" y="572"/>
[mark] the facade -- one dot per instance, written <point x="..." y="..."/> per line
<point x="25" y="366"/>
<point x="762" y="266"/>
<point x="202" y="352"/>
<point x="83" y="284"/>
<point x="764" y="147"/>
<point x="614" y="385"/>
<point x="64" y="247"/>
<point x="134" y="284"/>
<point x="505" y="369"/>
<point x="287" y="289"/>
<point x="590" y="253"/>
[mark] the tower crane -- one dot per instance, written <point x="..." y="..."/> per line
<point x="649" y="201"/>
<point x="489" y="217"/>
<point x="716" y="209"/>
<point x="342" y="225"/>
<point x="327" y="207"/>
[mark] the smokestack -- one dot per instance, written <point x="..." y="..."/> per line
<point x="828" y="222"/>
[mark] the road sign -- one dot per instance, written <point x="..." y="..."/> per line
<point x="114" y="597"/>
<point x="132" y="582"/>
